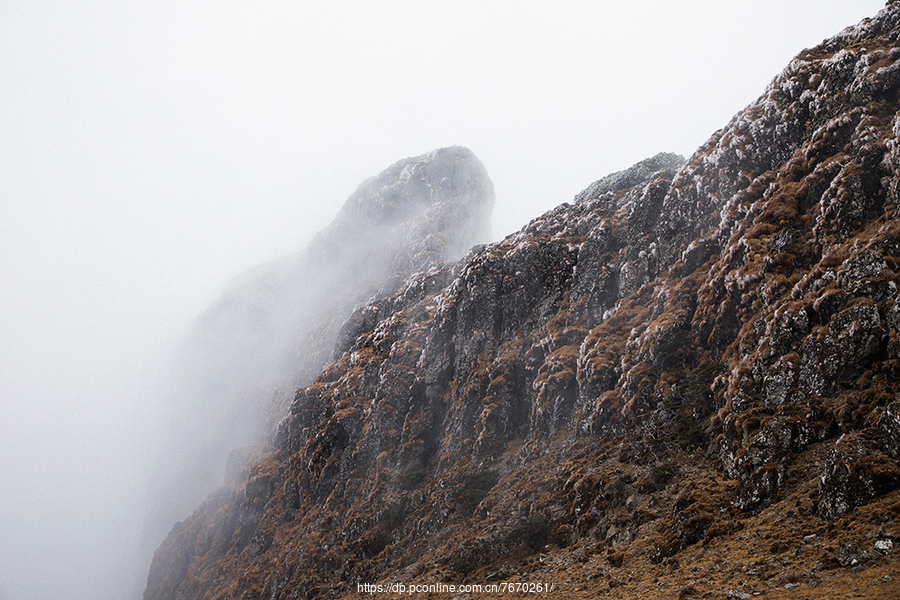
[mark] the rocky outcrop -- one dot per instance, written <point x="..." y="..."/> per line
<point x="275" y="327"/>
<point x="281" y="318"/>
<point x="635" y="373"/>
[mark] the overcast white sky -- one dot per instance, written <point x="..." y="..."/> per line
<point x="152" y="150"/>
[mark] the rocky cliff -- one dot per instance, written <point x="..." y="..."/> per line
<point x="683" y="383"/>
<point x="275" y="327"/>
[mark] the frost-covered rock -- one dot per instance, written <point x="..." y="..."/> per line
<point x="855" y="472"/>
<point x="890" y="429"/>
<point x="276" y="326"/>
<point x="842" y="349"/>
<point x="740" y="307"/>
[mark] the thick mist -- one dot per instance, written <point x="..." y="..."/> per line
<point x="276" y="326"/>
<point x="150" y="152"/>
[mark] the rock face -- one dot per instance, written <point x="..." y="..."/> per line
<point x="275" y="327"/>
<point x="280" y="320"/>
<point x="645" y="370"/>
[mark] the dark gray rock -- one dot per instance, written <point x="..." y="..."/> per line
<point x="632" y="176"/>
<point x="890" y="429"/>
<point x="850" y="554"/>
<point x="856" y="471"/>
<point x="841" y="351"/>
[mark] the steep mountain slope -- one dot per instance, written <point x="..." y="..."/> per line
<point x="275" y="327"/>
<point x="683" y="383"/>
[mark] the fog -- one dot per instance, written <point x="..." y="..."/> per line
<point x="150" y="152"/>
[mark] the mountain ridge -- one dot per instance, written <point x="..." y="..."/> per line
<point x="275" y="325"/>
<point x="682" y="383"/>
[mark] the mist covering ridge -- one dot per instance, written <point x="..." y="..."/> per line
<point x="150" y="152"/>
<point x="694" y="363"/>
<point x="275" y="326"/>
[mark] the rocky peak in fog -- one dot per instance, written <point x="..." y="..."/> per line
<point x="425" y="210"/>
<point x="274" y="328"/>
<point x="419" y="212"/>
<point x="678" y="384"/>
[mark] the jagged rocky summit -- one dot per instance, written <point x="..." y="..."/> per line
<point x="275" y="327"/>
<point x="684" y="382"/>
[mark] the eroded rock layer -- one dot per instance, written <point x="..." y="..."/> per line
<point x="632" y="380"/>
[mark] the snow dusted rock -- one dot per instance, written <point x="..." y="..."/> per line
<point x="855" y="472"/>
<point x="276" y="326"/>
<point x="631" y="177"/>
<point x="420" y="211"/>
<point x="842" y="349"/>
<point x="740" y="306"/>
<point x="890" y="429"/>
